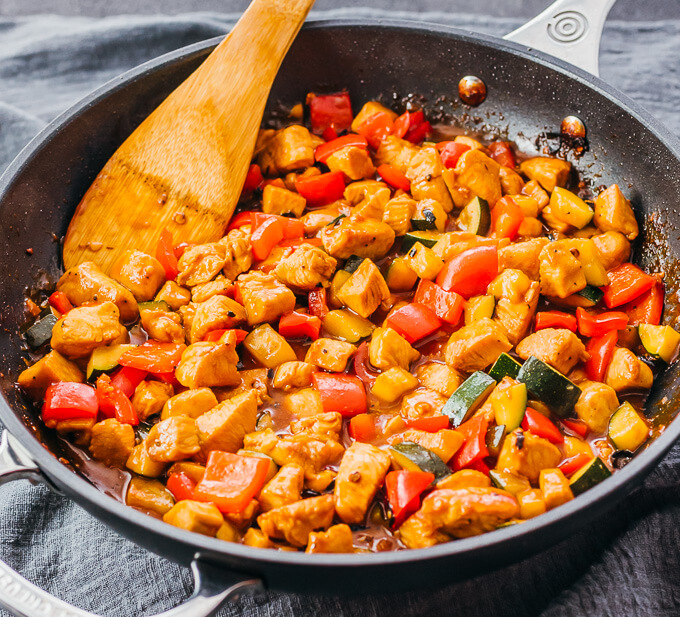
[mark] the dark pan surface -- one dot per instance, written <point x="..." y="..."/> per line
<point x="528" y="95"/>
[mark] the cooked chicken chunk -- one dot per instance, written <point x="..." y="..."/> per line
<point x="558" y="347"/>
<point x="596" y="404"/>
<point x="238" y="256"/>
<point x="439" y="377"/>
<point x="112" y="442"/>
<point x="388" y="348"/>
<point x="191" y="403"/>
<point x="220" y="286"/>
<point x="306" y="267"/>
<point x="296" y="521"/>
<point x="516" y="302"/>
<point x="322" y="426"/>
<point x="474" y="347"/>
<point x="210" y="364"/>
<point x="357" y="235"/>
<point x="547" y="171"/>
<point x="511" y="181"/>
<point x="613" y="249"/>
<point x="398" y="213"/>
<point x="173" y="295"/>
<point x="291" y="375"/>
<point x="50" y="369"/>
<point x="216" y="313"/>
<point x="522" y="256"/>
<point x="196" y="516"/>
<point x="435" y="188"/>
<point x="149" y="398"/>
<point x="283" y="489"/>
<point x="465" y="478"/>
<point x="526" y="454"/>
<point x="142" y="274"/>
<point x="264" y="297"/>
<point x="354" y="162"/>
<point x="290" y="149"/>
<point x="338" y="539"/>
<point x="358" y="192"/>
<point x="396" y="152"/>
<point x="373" y="207"/>
<point x="613" y="212"/>
<point x="276" y="200"/>
<point x="174" y="439"/>
<point x="225" y="426"/>
<point x="365" y="290"/>
<point x="316" y="219"/>
<point x="329" y="354"/>
<point x="149" y="495"/>
<point x="626" y="371"/>
<point x="302" y="403"/>
<point x="200" y="263"/>
<point x="561" y="273"/>
<point x="480" y="174"/>
<point x="422" y="403"/>
<point x="555" y="488"/>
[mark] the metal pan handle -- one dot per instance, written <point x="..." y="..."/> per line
<point x="212" y="586"/>
<point x="569" y="30"/>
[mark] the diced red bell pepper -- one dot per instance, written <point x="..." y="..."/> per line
<point x="403" y="490"/>
<point x="362" y="427"/>
<point x="480" y="466"/>
<point x="241" y="219"/>
<point x="597" y="325"/>
<point x="470" y="272"/>
<point x="60" y="302"/>
<point x="414" y="321"/>
<point x="181" y="486"/>
<point x="316" y="300"/>
<point x="474" y="448"/>
<point x="450" y="152"/>
<point x="321" y="190"/>
<point x="113" y="403"/>
<point x="153" y="357"/>
<point x="170" y="378"/>
<point x="323" y="151"/>
<point x="447" y="305"/>
<point x="292" y="228"/>
<point x="401" y="125"/>
<point x="231" y="480"/>
<point x="578" y="426"/>
<point x="646" y="308"/>
<point x="181" y="248"/>
<point x="394" y="177"/>
<point x="127" y="378"/>
<point x="341" y="392"/>
<point x="416" y="134"/>
<point x="501" y="152"/>
<point x="571" y="465"/>
<point x="538" y="424"/>
<point x="330" y="111"/>
<point x="68" y="400"/>
<point x="600" y="349"/>
<point x="299" y="325"/>
<point x="417" y="117"/>
<point x="506" y="218"/>
<point x="376" y="128"/>
<point x="554" y="319"/>
<point x="362" y="366"/>
<point x="215" y="335"/>
<point x="329" y="134"/>
<point x="166" y="255"/>
<point x="253" y="179"/>
<point x="626" y="282"/>
<point x="265" y="238"/>
<point x="432" y="424"/>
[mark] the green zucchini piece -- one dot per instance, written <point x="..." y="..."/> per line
<point x="352" y="263"/>
<point x="428" y="222"/>
<point x="494" y="439"/>
<point x="468" y="397"/>
<point x="104" y="359"/>
<point x="414" y="457"/>
<point x="591" y="294"/>
<point x="475" y="218"/>
<point x="508" y="481"/>
<point x="479" y="307"/>
<point x="661" y="341"/>
<point x="510" y="405"/>
<point x="41" y="331"/>
<point x="505" y="366"/>
<point x="156" y="305"/>
<point x="426" y="238"/>
<point x="627" y="429"/>
<point x="549" y="386"/>
<point x="589" y="475"/>
<point x="347" y="326"/>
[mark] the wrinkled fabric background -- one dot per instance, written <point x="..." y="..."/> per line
<point x="626" y="563"/>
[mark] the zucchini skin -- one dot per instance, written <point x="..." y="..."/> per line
<point x="41" y="331"/>
<point x="505" y="366"/>
<point x="549" y="386"/>
<point x="593" y="473"/>
<point x="468" y="397"/>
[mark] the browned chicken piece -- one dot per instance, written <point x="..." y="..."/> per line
<point x="388" y="348"/>
<point x="474" y="347"/>
<point x="461" y="513"/>
<point x="51" y="368"/>
<point x="283" y="489"/>
<point x="291" y="375"/>
<point x="210" y="364"/>
<point x="465" y="478"/>
<point x="555" y="488"/>
<point x="558" y="347"/>
<point x="358" y="192"/>
<point x="112" y="442"/>
<point x="361" y="473"/>
<point x="187" y="312"/>
<point x="435" y="188"/>
<point x="357" y="235"/>
<point x="257" y="538"/>
<point x="338" y="539"/>
<point x="238" y="257"/>
<point x="295" y="521"/>
<point x="87" y="283"/>
<point x="511" y="181"/>
<point x="613" y="212"/>
<point x="613" y="248"/>
<point x="554" y="222"/>
<point x="354" y="162"/>
<point x="523" y="256"/>
<point x="425" y="164"/>
<point x="161" y="325"/>
<point x="196" y="516"/>
<point x="396" y="152"/>
<point x="276" y="200"/>
<point x="82" y="329"/>
<point x="398" y="213"/>
<point x="480" y="174"/>
<point x="596" y="404"/>
<point x="216" y="313"/>
<point x="530" y="227"/>
<point x="422" y="403"/>
<point x="460" y="195"/>
<point x="142" y="274"/>
<point x="228" y="532"/>
<point x="326" y="425"/>
<point x="526" y="454"/>
<point x="626" y="371"/>
<point x="264" y="136"/>
<point x="79" y="431"/>
<point x="547" y="171"/>
<point x="373" y="207"/>
<point x="264" y="297"/>
<point x="316" y="219"/>
<point x="150" y="397"/>
<point x="306" y="267"/>
<point x="173" y="295"/>
<point x="534" y="189"/>
<point x="245" y="517"/>
<point x="220" y="286"/>
<point x="365" y="290"/>
<point x="191" y="403"/>
<point x="200" y="264"/>
<point x="140" y="462"/>
<point x="290" y="149"/>
<point x="149" y="495"/>
<point x="516" y="302"/>
<point x="444" y="443"/>
<point x="329" y="354"/>
<point x="225" y="426"/>
<point x="174" y="439"/>
<point x="560" y="271"/>
<point x="439" y="377"/>
<point x="255" y="378"/>
<point x="303" y="403"/>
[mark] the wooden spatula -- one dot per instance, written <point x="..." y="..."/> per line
<point x="183" y="168"/>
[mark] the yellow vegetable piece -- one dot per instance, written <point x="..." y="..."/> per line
<point x="347" y="325"/>
<point x="399" y="276"/>
<point x="391" y="385"/>
<point x="338" y="281"/>
<point x="478" y="307"/>
<point x="662" y="341"/>
<point x="423" y="261"/>
<point x="268" y="347"/>
<point x="627" y="429"/>
<point x="569" y="208"/>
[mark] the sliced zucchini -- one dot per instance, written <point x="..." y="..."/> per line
<point x="549" y="386"/>
<point x="414" y="457"/>
<point x="661" y="341"/>
<point x="475" y="218"/>
<point x="594" y="271"/>
<point x="104" y="359"/>
<point x="426" y="238"/>
<point x="399" y="276"/>
<point x="505" y="366"/>
<point x="627" y="429"/>
<point x="157" y="305"/>
<point x="569" y="208"/>
<point x="589" y="475"/>
<point x="478" y="307"/>
<point x="510" y="405"/>
<point x="508" y="481"/>
<point x="340" y="278"/>
<point x="468" y="397"/>
<point x="347" y="326"/>
<point x="494" y="439"/>
<point x="41" y="331"/>
<point x="427" y="222"/>
<point x="352" y="263"/>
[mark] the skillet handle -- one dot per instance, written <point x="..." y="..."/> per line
<point x="569" y="30"/>
<point x="212" y="585"/>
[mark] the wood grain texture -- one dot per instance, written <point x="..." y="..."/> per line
<point x="184" y="166"/>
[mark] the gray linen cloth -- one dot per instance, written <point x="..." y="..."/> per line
<point x="626" y="563"/>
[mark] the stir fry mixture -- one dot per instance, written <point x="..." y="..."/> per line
<point x="398" y="342"/>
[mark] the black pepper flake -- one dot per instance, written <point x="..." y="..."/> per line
<point x="231" y="314"/>
<point x="520" y="441"/>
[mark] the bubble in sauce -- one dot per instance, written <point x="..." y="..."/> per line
<point x="472" y="90"/>
<point x="573" y="126"/>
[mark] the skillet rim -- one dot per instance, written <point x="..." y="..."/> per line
<point x="586" y="506"/>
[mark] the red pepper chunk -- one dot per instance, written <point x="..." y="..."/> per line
<point x="231" y="480"/>
<point x="578" y="426"/>
<point x="265" y="238"/>
<point x="538" y="424"/>
<point x="403" y="490"/>
<point x="646" y="308"/>
<point x="165" y="253"/>
<point x="451" y="151"/>
<point x="401" y="125"/>
<point x="321" y="190"/>
<point x="626" y="282"/>
<point x="554" y="319"/>
<point x="506" y="218"/>
<point x="113" y="403"/>
<point x="292" y="228"/>
<point x="68" y="400"/>
<point x="470" y="272"/>
<point x="323" y="151"/>
<point x="341" y="392"/>
<point x="241" y="219"/>
<point x="253" y="179"/>
<point x="600" y="349"/>
<point x="394" y="177"/>
<point x="127" y="378"/>
<point x="154" y="357"/>
<point x="299" y="325"/>
<point x="416" y="134"/>
<point x="181" y="486"/>
<point x="447" y="305"/>
<point x="572" y="464"/>
<point x="414" y="321"/>
<point x="362" y="427"/>
<point x="597" y="325"/>
<point x="376" y="128"/>
<point x="60" y="302"/>
<point x="215" y="335"/>
<point x="430" y="425"/>
<point x="330" y="111"/>
<point x="501" y="152"/>
<point x="316" y="300"/>
<point x="474" y="448"/>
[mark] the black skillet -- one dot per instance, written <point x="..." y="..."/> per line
<point x="529" y="94"/>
